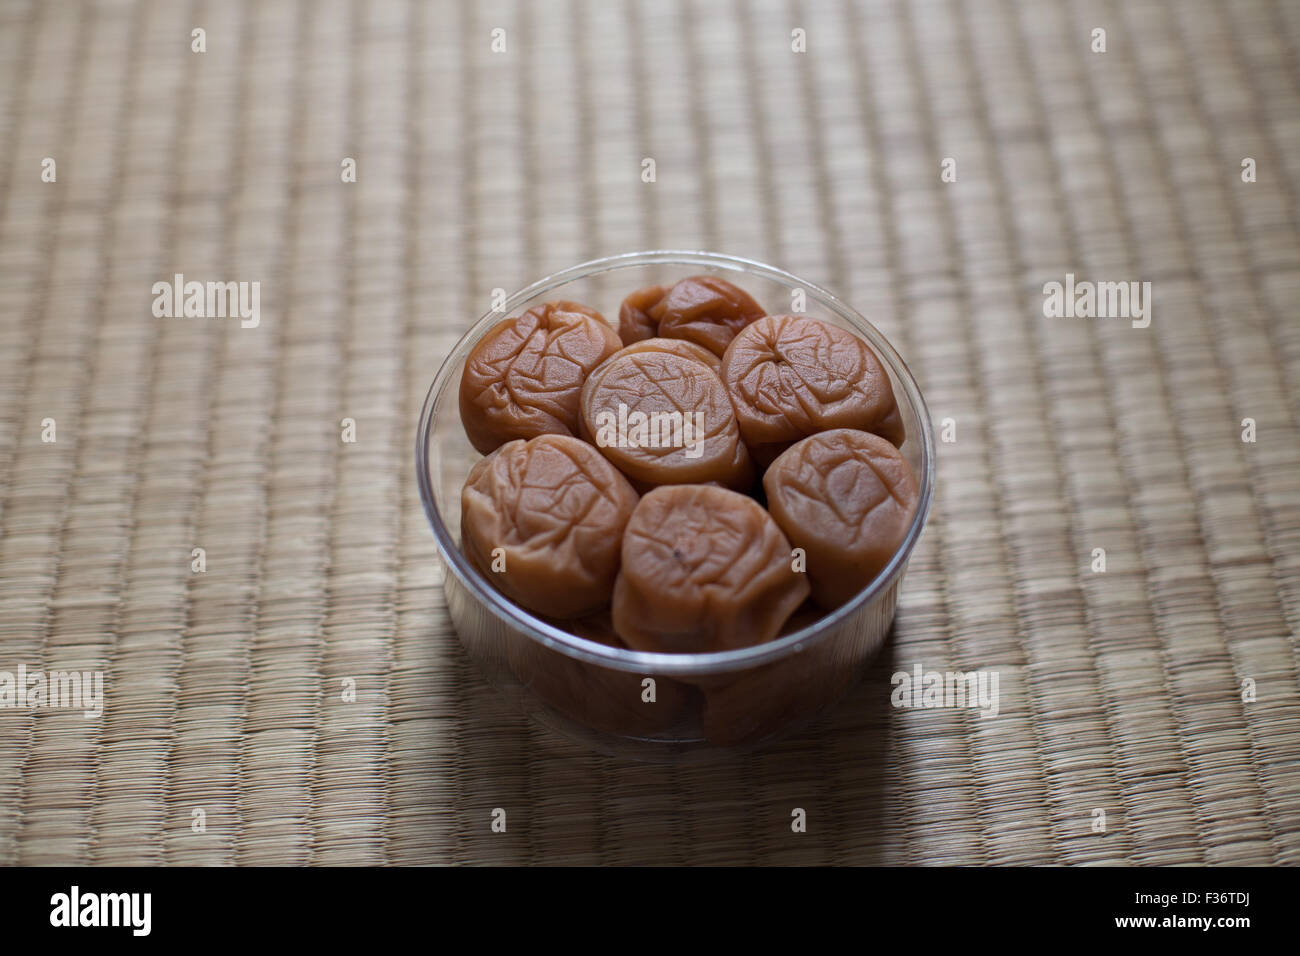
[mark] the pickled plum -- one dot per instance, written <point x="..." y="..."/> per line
<point x="524" y="377"/>
<point x="847" y="498"/>
<point x="543" y="519"/>
<point x="790" y="376"/>
<point x="705" y="310"/>
<point x="634" y="321"/>
<point x="703" y="569"/>
<point x="664" y="418"/>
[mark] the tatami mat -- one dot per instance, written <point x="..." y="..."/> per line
<point x="225" y="737"/>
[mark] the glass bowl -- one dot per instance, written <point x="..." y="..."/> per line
<point x="659" y="706"/>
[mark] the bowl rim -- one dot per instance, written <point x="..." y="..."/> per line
<point x="650" y="662"/>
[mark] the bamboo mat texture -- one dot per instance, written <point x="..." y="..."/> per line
<point x="1150" y="713"/>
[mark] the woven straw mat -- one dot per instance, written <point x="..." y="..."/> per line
<point x="1149" y="714"/>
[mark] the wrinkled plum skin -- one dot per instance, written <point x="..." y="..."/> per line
<point x="557" y="509"/>
<point x="634" y="321"/>
<point x="676" y="347"/>
<point x="705" y="310"/>
<point x="704" y="569"/>
<point x="524" y="377"/>
<point x="791" y="376"/>
<point x="847" y="498"/>
<point x="655" y="382"/>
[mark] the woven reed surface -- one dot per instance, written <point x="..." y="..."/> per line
<point x="1120" y="691"/>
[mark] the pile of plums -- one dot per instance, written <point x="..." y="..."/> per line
<point x="705" y="478"/>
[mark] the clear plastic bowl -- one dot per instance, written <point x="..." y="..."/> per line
<point x="704" y="705"/>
